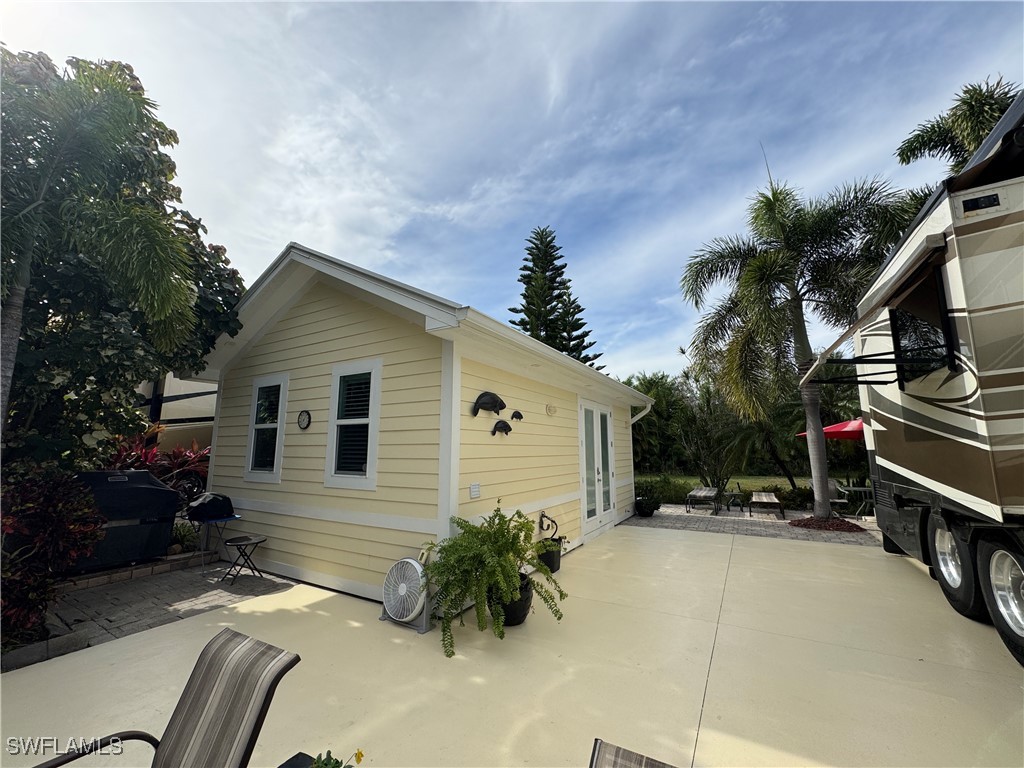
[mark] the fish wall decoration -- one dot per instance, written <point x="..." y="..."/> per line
<point x="501" y="426"/>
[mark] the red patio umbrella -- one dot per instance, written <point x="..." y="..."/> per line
<point x="844" y="430"/>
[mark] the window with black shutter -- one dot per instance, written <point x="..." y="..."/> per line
<point x="352" y="425"/>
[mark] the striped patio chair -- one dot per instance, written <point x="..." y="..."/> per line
<point x="607" y="755"/>
<point x="221" y="711"/>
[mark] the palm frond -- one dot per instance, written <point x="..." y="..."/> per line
<point x="956" y="134"/>
<point x="713" y="332"/>
<point x="763" y="291"/>
<point x="771" y="213"/>
<point x="935" y="138"/>
<point x="746" y="375"/>
<point x="721" y="260"/>
<point x="147" y="263"/>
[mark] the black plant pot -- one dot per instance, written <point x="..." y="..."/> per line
<point x="553" y="557"/>
<point x="645" y="508"/>
<point x="517" y="611"/>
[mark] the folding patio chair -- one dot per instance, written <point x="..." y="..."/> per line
<point x="835" y="499"/>
<point x="607" y="755"/>
<point x="221" y="711"/>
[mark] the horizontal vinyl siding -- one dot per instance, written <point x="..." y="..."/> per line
<point x="622" y="434"/>
<point x="347" y="548"/>
<point x="538" y="461"/>
<point x="327" y="327"/>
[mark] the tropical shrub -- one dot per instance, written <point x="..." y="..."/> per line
<point x="183" y="469"/>
<point x="185" y="536"/>
<point x="650" y="494"/>
<point x="49" y="521"/>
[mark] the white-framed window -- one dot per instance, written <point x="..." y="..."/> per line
<point x="266" y="429"/>
<point x="354" y="425"/>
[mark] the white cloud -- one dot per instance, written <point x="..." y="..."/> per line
<point x="426" y="140"/>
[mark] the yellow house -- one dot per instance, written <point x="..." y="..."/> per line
<point x="345" y="430"/>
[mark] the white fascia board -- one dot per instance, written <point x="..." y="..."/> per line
<point x="437" y="311"/>
<point x="256" y="316"/>
<point x="581" y="374"/>
<point x="292" y="273"/>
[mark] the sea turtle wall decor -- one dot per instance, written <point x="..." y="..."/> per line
<point x="488" y="401"/>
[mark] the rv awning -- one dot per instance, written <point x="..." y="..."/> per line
<point x="884" y="291"/>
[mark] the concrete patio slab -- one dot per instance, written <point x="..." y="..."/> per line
<point x="810" y="660"/>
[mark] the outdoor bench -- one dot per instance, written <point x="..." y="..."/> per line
<point x="766" y="499"/>
<point x="703" y="494"/>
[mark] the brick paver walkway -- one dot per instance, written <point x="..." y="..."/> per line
<point x="125" y="607"/>
<point x="761" y="523"/>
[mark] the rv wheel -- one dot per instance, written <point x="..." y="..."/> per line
<point x="1001" y="570"/>
<point x="953" y="565"/>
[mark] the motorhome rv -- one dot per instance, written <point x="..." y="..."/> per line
<point x="939" y="348"/>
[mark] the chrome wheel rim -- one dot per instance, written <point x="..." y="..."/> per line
<point x="949" y="558"/>
<point x="1007" y="579"/>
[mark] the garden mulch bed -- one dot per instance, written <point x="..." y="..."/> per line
<point x="829" y="524"/>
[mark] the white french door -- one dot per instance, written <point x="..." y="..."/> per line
<point x="596" y="463"/>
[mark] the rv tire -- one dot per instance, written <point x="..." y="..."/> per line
<point x="953" y="563"/>
<point x="1001" y="572"/>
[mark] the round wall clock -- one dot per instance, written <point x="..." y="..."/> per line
<point x="304" y="419"/>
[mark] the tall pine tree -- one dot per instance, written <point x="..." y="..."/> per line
<point x="549" y="312"/>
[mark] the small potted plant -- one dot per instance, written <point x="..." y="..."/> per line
<point x="487" y="565"/>
<point x="649" y="496"/>
<point x="329" y="761"/>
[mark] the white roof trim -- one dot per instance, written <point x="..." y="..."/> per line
<point x="298" y="267"/>
<point x="487" y="325"/>
<point x="439" y="309"/>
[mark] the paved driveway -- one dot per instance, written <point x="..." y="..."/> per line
<point x="695" y="648"/>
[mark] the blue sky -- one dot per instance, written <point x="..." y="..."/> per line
<point x="426" y="140"/>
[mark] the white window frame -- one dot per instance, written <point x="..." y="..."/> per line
<point x="367" y="482"/>
<point x="264" y="476"/>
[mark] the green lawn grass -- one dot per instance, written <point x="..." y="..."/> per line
<point x="680" y="485"/>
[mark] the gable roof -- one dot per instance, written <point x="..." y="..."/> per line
<point x="480" y="336"/>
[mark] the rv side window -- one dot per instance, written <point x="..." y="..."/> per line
<point x="921" y="330"/>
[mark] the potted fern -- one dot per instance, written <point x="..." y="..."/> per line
<point x="487" y="565"/>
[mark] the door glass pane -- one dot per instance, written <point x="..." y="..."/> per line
<point x="264" y="446"/>
<point x="590" y="462"/>
<point x="606" y="472"/>
<point x="267" y="401"/>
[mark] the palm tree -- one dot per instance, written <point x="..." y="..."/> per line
<point x="83" y="172"/>
<point x="956" y="134"/>
<point x="801" y="256"/>
<point x="773" y="437"/>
